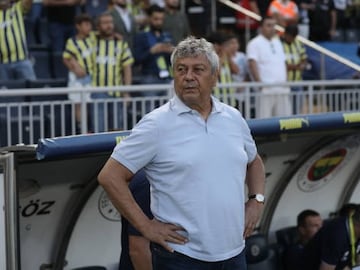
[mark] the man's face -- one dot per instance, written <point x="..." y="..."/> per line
<point x="156" y="20"/>
<point x="289" y="38"/>
<point x="268" y="28"/>
<point x="312" y="225"/>
<point x="106" y="26"/>
<point x="193" y="80"/>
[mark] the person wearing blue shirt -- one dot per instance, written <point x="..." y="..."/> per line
<point x="152" y="49"/>
<point x="198" y="154"/>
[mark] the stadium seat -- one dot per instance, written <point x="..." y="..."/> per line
<point x="339" y="36"/>
<point x="260" y="255"/>
<point x="41" y="60"/>
<point x="47" y="83"/>
<point x="352" y="35"/>
<point x="59" y="70"/>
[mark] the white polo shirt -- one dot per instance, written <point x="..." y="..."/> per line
<point x="196" y="170"/>
<point x="270" y="58"/>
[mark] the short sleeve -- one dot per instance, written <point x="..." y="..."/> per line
<point x="137" y="150"/>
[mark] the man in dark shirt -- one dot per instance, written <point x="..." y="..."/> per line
<point x="61" y="20"/>
<point x="335" y="246"/>
<point x="308" y="224"/>
<point x="322" y="16"/>
<point x="153" y="48"/>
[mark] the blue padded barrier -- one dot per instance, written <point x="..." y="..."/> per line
<point x="101" y="142"/>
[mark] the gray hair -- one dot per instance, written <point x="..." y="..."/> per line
<point x="192" y="47"/>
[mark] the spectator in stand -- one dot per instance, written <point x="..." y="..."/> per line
<point x="296" y="60"/>
<point x="335" y="246"/>
<point x="266" y="62"/>
<point x="239" y="59"/>
<point x="241" y="73"/>
<point x="135" y="249"/>
<point x="138" y="8"/>
<point x="152" y="52"/>
<point x="322" y="19"/>
<point x="285" y="12"/>
<point x="308" y="224"/>
<point x="14" y="55"/>
<point x="124" y="22"/>
<point x="112" y="60"/>
<point x="227" y="67"/>
<point x="342" y="22"/>
<point x="61" y="21"/>
<point x="175" y="22"/>
<point x="77" y="57"/>
<point x="34" y="17"/>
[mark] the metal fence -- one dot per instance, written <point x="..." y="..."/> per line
<point x="29" y="114"/>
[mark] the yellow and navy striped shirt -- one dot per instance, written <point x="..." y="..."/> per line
<point x="225" y="94"/>
<point x="109" y="58"/>
<point x="295" y="53"/>
<point x="13" y="45"/>
<point x="81" y="50"/>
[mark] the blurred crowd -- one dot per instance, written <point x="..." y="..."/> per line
<point x="119" y="42"/>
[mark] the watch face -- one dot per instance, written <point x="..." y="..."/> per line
<point x="260" y="197"/>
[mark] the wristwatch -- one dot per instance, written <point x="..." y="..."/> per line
<point x="260" y="198"/>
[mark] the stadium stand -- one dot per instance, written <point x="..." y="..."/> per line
<point x="41" y="61"/>
<point x="53" y="107"/>
<point x="59" y="70"/>
<point x="15" y="117"/>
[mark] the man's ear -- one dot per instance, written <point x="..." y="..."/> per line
<point x="215" y="77"/>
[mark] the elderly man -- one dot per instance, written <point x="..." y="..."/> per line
<point x="197" y="154"/>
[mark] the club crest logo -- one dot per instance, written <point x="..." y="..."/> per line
<point x="325" y="164"/>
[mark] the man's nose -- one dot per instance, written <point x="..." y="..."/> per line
<point x="189" y="75"/>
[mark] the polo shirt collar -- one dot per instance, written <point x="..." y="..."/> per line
<point x="179" y="107"/>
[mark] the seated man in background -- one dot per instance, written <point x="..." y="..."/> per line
<point x="308" y="224"/>
<point x="335" y="245"/>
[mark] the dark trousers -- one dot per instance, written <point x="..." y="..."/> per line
<point x="165" y="260"/>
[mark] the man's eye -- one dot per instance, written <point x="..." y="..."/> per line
<point x="181" y="70"/>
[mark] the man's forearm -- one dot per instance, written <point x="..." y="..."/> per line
<point x="255" y="177"/>
<point x="127" y="75"/>
<point x="254" y="70"/>
<point x="114" y="178"/>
